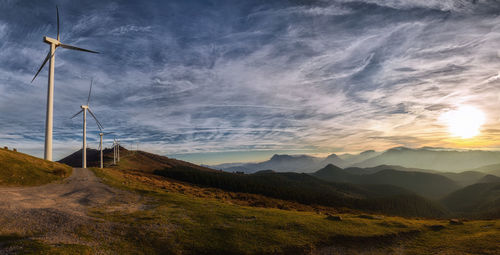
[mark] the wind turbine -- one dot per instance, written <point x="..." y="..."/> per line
<point x="101" y="134"/>
<point x="54" y="43"/>
<point x="118" y="151"/>
<point x="114" y="151"/>
<point x="84" y="109"/>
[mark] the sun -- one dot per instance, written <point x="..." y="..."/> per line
<point x="464" y="122"/>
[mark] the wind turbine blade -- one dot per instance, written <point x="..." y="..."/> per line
<point x="43" y="64"/>
<point x="76" y="48"/>
<point x="90" y="90"/>
<point x="98" y="123"/>
<point x="77" y="113"/>
<point x="57" y="10"/>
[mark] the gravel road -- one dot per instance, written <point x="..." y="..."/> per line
<point x="57" y="212"/>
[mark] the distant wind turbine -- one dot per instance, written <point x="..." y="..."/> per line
<point x="101" y="134"/>
<point x="116" y="151"/>
<point x="54" y="43"/>
<point x="84" y="109"/>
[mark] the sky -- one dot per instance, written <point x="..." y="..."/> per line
<point x="236" y="81"/>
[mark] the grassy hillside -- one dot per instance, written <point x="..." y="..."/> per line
<point x="292" y="187"/>
<point x="19" y="169"/>
<point x="178" y="218"/>
<point x="208" y="226"/>
<point x="129" y="160"/>
<point x="481" y="200"/>
<point x="425" y="184"/>
<point x="307" y="189"/>
<point x="187" y="224"/>
<point x="297" y="188"/>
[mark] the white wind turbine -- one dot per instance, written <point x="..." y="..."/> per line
<point x="116" y="151"/>
<point x="84" y="109"/>
<point x="101" y="134"/>
<point x="54" y="43"/>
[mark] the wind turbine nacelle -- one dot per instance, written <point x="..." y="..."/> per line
<point x="84" y="106"/>
<point x="51" y="40"/>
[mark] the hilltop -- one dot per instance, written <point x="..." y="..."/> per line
<point x="19" y="169"/>
<point x="129" y="160"/>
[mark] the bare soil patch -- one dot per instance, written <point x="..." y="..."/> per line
<point x="57" y="212"/>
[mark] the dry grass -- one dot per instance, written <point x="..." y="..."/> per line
<point x="19" y="169"/>
<point x="209" y="221"/>
<point x="237" y="198"/>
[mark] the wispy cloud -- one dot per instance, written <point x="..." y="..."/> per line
<point x="246" y="76"/>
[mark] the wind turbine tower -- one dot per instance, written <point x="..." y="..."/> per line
<point x="100" y="146"/>
<point x="101" y="134"/>
<point x="84" y="109"/>
<point x="114" y="151"/>
<point x="54" y="43"/>
<point x="118" y="143"/>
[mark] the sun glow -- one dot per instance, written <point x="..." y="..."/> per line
<point x="464" y="122"/>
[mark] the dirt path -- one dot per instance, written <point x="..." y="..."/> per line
<point x="55" y="212"/>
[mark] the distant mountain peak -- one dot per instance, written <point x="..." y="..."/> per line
<point x="280" y="157"/>
<point x="367" y="152"/>
<point x="333" y="155"/>
<point x="330" y="167"/>
<point x="489" y="178"/>
<point x="400" y="148"/>
<point x="286" y="157"/>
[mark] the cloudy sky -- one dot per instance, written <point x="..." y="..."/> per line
<point x="221" y="81"/>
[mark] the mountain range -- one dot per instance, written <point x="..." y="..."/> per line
<point x="427" y="159"/>
<point x="425" y="184"/>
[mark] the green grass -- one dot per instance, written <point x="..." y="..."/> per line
<point x="474" y="237"/>
<point x="208" y="226"/>
<point x="24" y="245"/>
<point x="192" y="225"/>
<point x="19" y="169"/>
